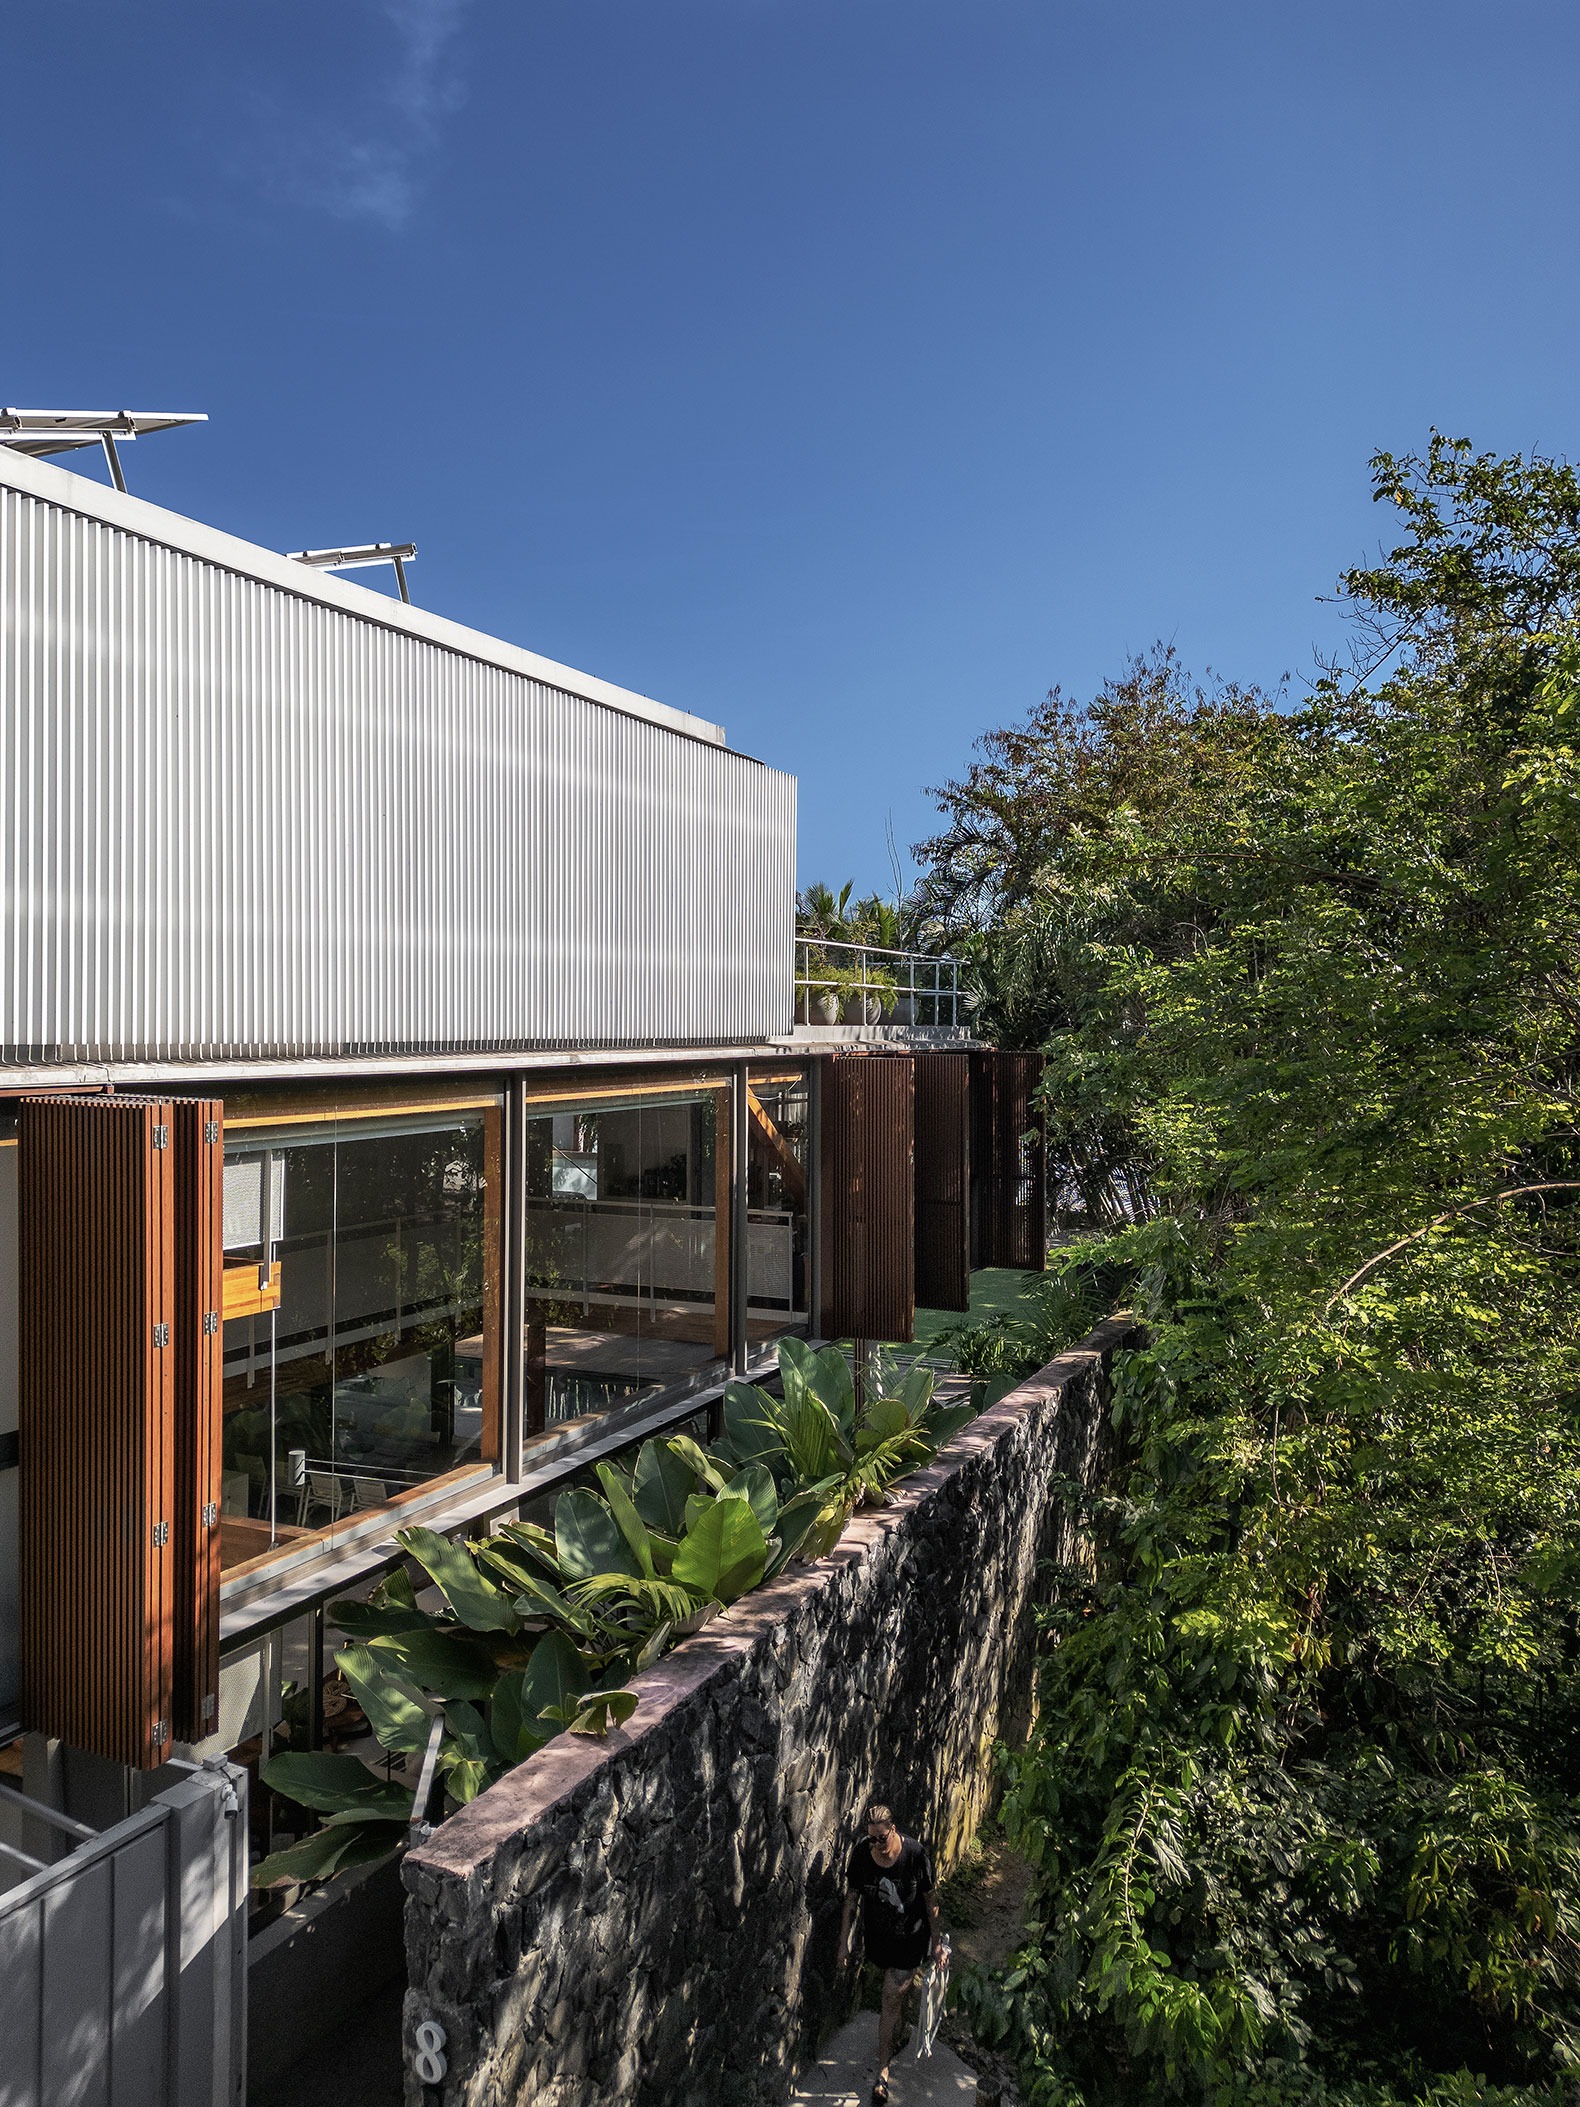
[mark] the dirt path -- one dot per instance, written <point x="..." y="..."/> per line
<point x="982" y="1905"/>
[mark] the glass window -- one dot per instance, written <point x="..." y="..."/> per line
<point x="627" y="1251"/>
<point x="778" y="1133"/>
<point x="361" y="1333"/>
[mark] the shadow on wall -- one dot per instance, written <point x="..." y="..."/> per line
<point x="652" y="1919"/>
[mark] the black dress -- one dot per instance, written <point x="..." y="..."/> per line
<point x="895" y="1923"/>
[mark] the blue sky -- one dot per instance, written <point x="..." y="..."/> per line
<point x="848" y="371"/>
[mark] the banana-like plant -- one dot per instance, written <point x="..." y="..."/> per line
<point x="816" y="1441"/>
<point x="541" y="1629"/>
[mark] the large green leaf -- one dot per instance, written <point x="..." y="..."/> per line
<point x="916" y="1391"/>
<point x="329" y="1851"/>
<point x="832" y="1383"/>
<point x="752" y="1430"/>
<point x="813" y="1439"/>
<point x="755" y="1485"/>
<point x="510" y="1562"/>
<point x="726" y="1552"/>
<point x="516" y="1728"/>
<point x="588" y="1540"/>
<point x="476" y="1601"/>
<point x="827" y="1527"/>
<point x="660" y="1486"/>
<point x="790" y="1538"/>
<point x="465" y="1776"/>
<point x="797" y="1364"/>
<point x="391" y="1607"/>
<point x="329" y="1784"/>
<point x="467" y="1730"/>
<point x="535" y="1541"/>
<point x="437" y="1661"/>
<point x="944" y="1425"/>
<point x="538" y="1599"/>
<point x="367" y="1620"/>
<point x="555" y="1677"/>
<point x="600" y="1710"/>
<point x="882" y="1420"/>
<point x="704" y="1466"/>
<point x="395" y="1711"/>
<point x="630" y="1523"/>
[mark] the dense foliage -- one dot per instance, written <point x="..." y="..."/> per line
<point x="1301" y="1802"/>
<point x="532" y="1632"/>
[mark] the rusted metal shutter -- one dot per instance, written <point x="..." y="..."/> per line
<point x="199" y="1347"/>
<point x="97" y="1307"/>
<point x="868" y="1197"/>
<point x="1008" y="1186"/>
<point x="943" y="1181"/>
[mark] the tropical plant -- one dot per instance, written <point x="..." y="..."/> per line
<point x="541" y="1629"/>
<point x="1301" y="1800"/>
<point x="822" y="912"/>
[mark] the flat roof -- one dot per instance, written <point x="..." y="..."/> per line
<point x="135" y="515"/>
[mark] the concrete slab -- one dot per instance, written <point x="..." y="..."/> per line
<point x="843" y="2074"/>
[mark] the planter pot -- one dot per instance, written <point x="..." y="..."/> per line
<point x="862" y="1009"/>
<point x="828" y="1006"/>
<point x="902" y="1010"/>
<point x="803" y="1006"/>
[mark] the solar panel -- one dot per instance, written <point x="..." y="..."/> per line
<point x="58" y="431"/>
<point x="399" y="553"/>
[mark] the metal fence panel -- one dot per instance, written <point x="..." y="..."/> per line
<point x="123" y="1965"/>
<point x="250" y="820"/>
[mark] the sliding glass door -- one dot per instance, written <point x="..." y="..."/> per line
<point x="361" y="1328"/>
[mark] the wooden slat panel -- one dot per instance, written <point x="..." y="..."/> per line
<point x="943" y="1180"/>
<point x="198" y="1346"/>
<point x="1008" y="1184"/>
<point x="869" y="1200"/>
<point x="96" y="1282"/>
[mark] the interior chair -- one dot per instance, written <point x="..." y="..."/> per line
<point x="323" y="1490"/>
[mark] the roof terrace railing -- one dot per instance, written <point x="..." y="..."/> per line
<point x="843" y="983"/>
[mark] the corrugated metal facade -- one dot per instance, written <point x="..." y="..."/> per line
<point x="244" y="822"/>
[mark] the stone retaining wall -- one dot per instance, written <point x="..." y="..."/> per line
<point x="652" y="1918"/>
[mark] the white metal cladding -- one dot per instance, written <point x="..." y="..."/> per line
<point x="243" y="820"/>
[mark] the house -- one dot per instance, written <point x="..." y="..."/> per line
<point x="401" y="1105"/>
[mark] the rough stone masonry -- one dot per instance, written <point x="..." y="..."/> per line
<point x="652" y="1918"/>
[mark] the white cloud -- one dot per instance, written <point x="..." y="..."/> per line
<point x="373" y="167"/>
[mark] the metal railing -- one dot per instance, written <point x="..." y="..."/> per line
<point x="840" y="983"/>
<point x="125" y="1972"/>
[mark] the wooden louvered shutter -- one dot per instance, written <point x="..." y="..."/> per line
<point x="943" y="1179"/>
<point x="97" y="1307"/>
<point x="868" y="1205"/>
<point x="198" y="1345"/>
<point x="1008" y="1197"/>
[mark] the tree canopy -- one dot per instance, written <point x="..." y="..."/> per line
<point x="1302" y="1796"/>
